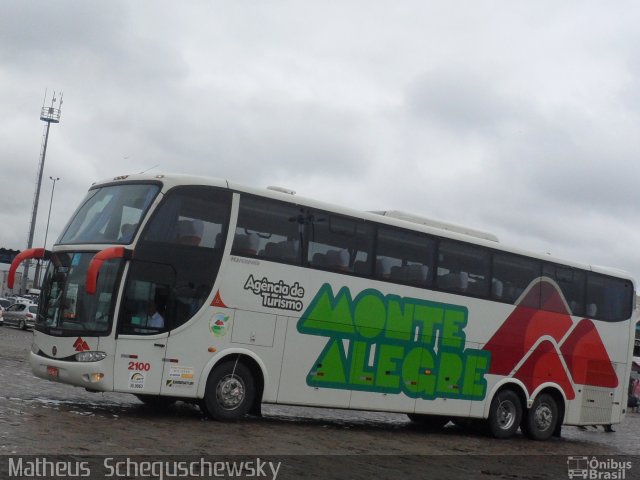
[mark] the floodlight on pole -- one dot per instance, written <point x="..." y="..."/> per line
<point x="48" y="115"/>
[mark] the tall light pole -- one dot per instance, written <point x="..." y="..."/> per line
<point x="48" y="115"/>
<point x="53" y="189"/>
<point x="46" y="232"/>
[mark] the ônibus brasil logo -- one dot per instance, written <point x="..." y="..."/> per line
<point x="393" y="344"/>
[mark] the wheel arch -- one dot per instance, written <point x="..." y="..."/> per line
<point x="250" y="360"/>
<point x="507" y="384"/>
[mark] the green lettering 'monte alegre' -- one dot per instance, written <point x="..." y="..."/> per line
<point x="393" y="344"/>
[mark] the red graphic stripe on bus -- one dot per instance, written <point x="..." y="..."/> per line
<point x="544" y="365"/>
<point x="525" y="326"/>
<point x="587" y="358"/>
<point x="583" y="352"/>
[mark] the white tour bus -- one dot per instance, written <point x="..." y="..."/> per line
<point x="177" y="287"/>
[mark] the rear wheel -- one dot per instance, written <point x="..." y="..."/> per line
<point x="505" y="414"/>
<point x="22" y="325"/>
<point x="541" y="418"/>
<point x="230" y="391"/>
<point x="434" y="422"/>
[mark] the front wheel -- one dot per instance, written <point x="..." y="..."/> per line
<point x="505" y="414"/>
<point x="230" y="391"/>
<point x="542" y="418"/>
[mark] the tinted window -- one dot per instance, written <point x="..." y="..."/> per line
<point x="512" y="274"/>
<point x="404" y="257"/>
<point x="149" y="305"/>
<point x="110" y="214"/>
<point x="66" y="304"/>
<point x="463" y="268"/>
<point x="571" y="283"/>
<point x="268" y="229"/>
<point x="339" y="243"/>
<point x="608" y="298"/>
<point x="183" y="242"/>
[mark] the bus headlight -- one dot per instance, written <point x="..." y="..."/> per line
<point x="90" y="356"/>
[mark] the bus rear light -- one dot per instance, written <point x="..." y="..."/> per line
<point x="90" y="356"/>
<point x="93" y="377"/>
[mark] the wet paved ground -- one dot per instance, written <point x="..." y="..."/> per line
<point x="44" y="418"/>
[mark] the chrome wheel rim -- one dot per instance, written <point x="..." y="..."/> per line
<point x="543" y="417"/>
<point x="230" y="392"/>
<point x="506" y="414"/>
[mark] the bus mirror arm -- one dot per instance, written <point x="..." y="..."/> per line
<point x="21" y="257"/>
<point x="97" y="261"/>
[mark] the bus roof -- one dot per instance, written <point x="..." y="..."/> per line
<point x="390" y="217"/>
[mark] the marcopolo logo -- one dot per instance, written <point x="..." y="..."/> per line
<point x="594" y="468"/>
<point x="393" y="344"/>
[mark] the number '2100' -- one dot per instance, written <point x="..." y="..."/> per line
<point x="140" y="366"/>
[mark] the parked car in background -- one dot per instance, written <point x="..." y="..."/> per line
<point x="4" y="304"/>
<point x="20" y="315"/>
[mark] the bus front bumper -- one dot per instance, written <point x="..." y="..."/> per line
<point x="90" y="375"/>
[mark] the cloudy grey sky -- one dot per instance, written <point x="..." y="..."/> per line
<point x="521" y="118"/>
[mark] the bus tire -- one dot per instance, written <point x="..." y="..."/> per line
<point x="542" y="418"/>
<point x="230" y="391"/>
<point x="432" y="422"/>
<point x="505" y="414"/>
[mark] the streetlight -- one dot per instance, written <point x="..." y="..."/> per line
<point x="46" y="232"/>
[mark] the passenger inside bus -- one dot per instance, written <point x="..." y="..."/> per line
<point x="154" y="318"/>
<point x="126" y="232"/>
<point x="190" y="232"/>
<point x="246" y="244"/>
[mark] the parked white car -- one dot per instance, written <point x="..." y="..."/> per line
<point x="20" y="315"/>
<point x="4" y="304"/>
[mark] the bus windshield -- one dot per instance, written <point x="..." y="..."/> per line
<point x="67" y="309"/>
<point x="110" y="214"/>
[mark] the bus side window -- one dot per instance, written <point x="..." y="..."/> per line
<point x="512" y="274"/>
<point x="146" y="309"/>
<point x="608" y="299"/>
<point x="186" y="233"/>
<point x="463" y="268"/>
<point x="268" y="229"/>
<point x="572" y="285"/>
<point x="339" y="244"/>
<point x="404" y="257"/>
